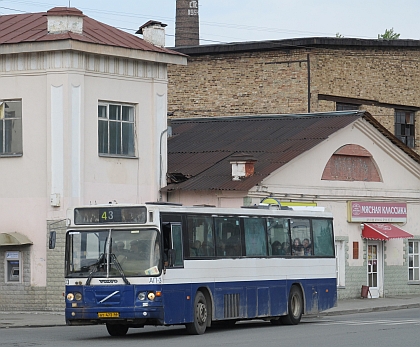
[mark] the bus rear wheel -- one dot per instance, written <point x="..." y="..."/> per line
<point x="200" y="315"/>
<point x="116" y="329"/>
<point x="294" y="307"/>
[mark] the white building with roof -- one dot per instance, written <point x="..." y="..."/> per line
<point x="82" y="116"/>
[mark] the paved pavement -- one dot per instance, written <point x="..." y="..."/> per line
<point x="12" y="319"/>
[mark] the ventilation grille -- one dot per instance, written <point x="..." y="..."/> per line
<point x="231" y="305"/>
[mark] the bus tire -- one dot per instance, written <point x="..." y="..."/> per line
<point x="200" y="315"/>
<point x="116" y="329"/>
<point x="294" y="307"/>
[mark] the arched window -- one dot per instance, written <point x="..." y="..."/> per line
<point x="351" y="163"/>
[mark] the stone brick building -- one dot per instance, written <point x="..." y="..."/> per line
<point x="302" y="75"/>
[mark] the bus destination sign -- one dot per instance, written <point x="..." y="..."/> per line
<point x="110" y="214"/>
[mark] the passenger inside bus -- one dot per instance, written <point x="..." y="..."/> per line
<point x="297" y="248"/>
<point x="195" y="249"/>
<point x="307" y="247"/>
<point x="208" y="249"/>
<point x="233" y="245"/>
<point x="277" y="248"/>
<point x="286" y="248"/>
<point x="120" y="248"/>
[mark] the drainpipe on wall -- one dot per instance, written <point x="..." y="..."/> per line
<point x="309" y="82"/>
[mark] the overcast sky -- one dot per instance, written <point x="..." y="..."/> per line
<point x="251" y="20"/>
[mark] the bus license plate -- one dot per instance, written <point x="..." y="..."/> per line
<point x="108" y="314"/>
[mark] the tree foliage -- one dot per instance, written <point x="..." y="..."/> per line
<point x="389" y="35"/>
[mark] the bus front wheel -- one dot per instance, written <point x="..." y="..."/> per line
<point x="199" y="324"/>
<point x="294" y="307"/>
<point x="116" y="329"/>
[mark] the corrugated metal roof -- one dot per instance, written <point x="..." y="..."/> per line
<point x="32" y="27"/>
<point x="304" y="43"/>
<point x="201" y="148"/>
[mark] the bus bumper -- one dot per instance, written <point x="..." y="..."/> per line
<point x="128" y="316"/>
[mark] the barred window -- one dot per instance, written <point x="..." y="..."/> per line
<point x="116" y="129"/>
<point x="405" y="127"/>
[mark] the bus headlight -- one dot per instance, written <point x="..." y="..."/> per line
<point x="151" y="296"/>
<point x="70" y="296"/>
<point x="77" y="296"/>
<point x="142" y="296"/>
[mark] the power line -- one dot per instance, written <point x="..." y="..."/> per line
<point x="202" y="39"/>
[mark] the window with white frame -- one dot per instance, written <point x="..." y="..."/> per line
<point x="10" y="127"/>
<point x="116" y="129"/>
<point x="413" y="260"/>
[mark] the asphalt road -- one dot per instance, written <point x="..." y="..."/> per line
<point x="382" y="329"/>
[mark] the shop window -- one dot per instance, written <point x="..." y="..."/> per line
<point x="413" y="261"/>
<point x="13" y="267"/>
<point x="10" y="127"/>
<point x="405" y="127"/>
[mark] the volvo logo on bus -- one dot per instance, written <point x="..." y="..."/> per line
<point x="108" y="281"/>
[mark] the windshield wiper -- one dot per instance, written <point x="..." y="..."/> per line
<point x="95" y="266"/>
<point x="119" y="268"/>
<point x="103" y="261"/>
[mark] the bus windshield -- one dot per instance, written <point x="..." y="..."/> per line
<point x="113" y="253"/>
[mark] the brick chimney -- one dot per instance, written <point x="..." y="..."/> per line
<point x="65" y="19"/>
<point x="187" y="28"/>
<point x="153" y="32"/>
<point x="242" y="166"/>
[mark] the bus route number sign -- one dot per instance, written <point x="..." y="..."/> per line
<point x="109" y="215"/>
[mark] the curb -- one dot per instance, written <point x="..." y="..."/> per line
<point x="369" y="309"/>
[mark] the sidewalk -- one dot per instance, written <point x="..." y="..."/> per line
<point x="51" y="319"/>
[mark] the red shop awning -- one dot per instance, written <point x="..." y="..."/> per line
<point x="383" y="231"/>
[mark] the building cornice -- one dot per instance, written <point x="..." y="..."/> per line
<point x="89" y="48"/>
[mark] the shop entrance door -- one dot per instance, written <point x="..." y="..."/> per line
<point x="374" y="269"/>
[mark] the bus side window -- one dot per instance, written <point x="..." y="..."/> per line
<point x="279" y="237"/>
<point x="167" y="242"/>
<point x="323" y="237"/>
<point x="255" y="237"/>
<point x="301" y="237"/>
<point x="228" y="237"/>
<point x="200" y="236"/>
<point x="176" y="235"/>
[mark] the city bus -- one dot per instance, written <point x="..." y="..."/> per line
<point x="128" y="266"/>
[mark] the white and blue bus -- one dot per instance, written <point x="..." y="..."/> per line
<point x="128" y="266"/>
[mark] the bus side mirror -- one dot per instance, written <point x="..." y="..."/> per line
<point x="51" y="241"/>
<point x="171" y="257"/>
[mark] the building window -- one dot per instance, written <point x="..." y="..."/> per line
<point x="116" y="129"/>
<point x="10" y="127"/>
<point x="404" y="127"/>
<point x="339" y="106"/>
<point x="13" y="267"/>
<point x="413" y="261"/>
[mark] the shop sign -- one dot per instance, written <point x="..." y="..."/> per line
<point x="372" y="211"/>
